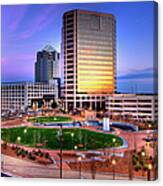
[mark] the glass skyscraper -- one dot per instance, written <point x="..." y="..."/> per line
<point x="89" y="48"/>
<point x="47" y="64"/>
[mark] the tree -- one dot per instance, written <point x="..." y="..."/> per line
<point x="54" y="104"/>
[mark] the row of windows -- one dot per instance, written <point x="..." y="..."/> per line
<point x="131" y="106"/>
<point x="96" y="52"/>
<point x="135" y="100"/>
<point x="96" y="33"/>
<point x="93" y="37"/>
<point x="94" y="46"/>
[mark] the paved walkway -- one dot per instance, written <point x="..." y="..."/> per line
<point x="23" y="168"/>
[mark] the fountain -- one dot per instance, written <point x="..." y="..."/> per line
<point x="106" y="124"/>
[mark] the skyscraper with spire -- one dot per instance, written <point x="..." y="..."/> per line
<point x="47" y="64"/>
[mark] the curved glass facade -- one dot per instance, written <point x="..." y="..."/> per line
<point x="95" y="53"/>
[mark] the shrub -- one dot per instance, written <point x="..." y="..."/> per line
<point x="41" y="154"/>
<point x="13" y="147"/>
<point x="134" y="161"/>
<point x="47" y="155"/>
<point x="137" y="167"/>
<point x="23" y="155"/>
<point x="145" y="167"/>
<point x="31" y="157"/>
<point x="19" y="152"/>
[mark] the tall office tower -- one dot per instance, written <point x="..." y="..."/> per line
<point x="89" y="49"/>
<point x="47" y="64"/>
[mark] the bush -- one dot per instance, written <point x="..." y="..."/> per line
<point x="19" y="152"/>
<point x="145" y="167"/>
<point x="134" y="161"/>
<point x="23" y="155"/>
<point x="31" y="157"/>
<point x="47" y="155"/>
<point x="13" y="147"/>
<point x="137" y="167"/>
<point x="41" y="154"/>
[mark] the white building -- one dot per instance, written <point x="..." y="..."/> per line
<point x="22" y="95"/>
<point x="135" y="106"/>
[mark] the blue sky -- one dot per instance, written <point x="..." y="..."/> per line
<point x="26" y="29"/>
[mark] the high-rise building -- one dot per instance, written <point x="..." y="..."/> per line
<point x="47" y="64"/>
<point x="89" y="50"/>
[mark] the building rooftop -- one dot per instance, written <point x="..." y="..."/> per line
<point x="49" y="48"/>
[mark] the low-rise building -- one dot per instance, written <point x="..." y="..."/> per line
<point x="133" y="106"/>
<point x="24" y="95"/>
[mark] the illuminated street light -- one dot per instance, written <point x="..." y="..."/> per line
<point x="79" y="160"/>
<point x="72" y="135"/>
<point x="18" y="140"/>
<point x="60" y="135"/>
<point x="149" y="172"/>
<point x="25" y="131"/>
<point x="75" y="147"/>
<point x="149" y="126"/>
<point x="114" y="140"/>
<point x="113" y="164"/>
<point x="143" y="153"/>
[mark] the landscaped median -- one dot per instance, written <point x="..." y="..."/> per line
<point x="50" y="119"/>
<point x="72" y="138"/>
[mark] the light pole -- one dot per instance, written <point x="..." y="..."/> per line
<point x="2" y="161"/>
<point x="143" y="157"/>
<point x="113" y="140"/>
<point x="113" y="164"/>
<point x="79" y="160"/>
<point x="25" y="132"/>
<point x="72" y="136"/>
<point x="148" y="143"/>
<point x="149" y="172"/>
<point x="18" y="140"/>
<point x="60" y="134"/>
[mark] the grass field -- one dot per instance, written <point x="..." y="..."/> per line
<point x="50" y="119"/>
<point x="84" y="139"/>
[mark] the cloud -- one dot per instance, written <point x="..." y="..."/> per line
<point x="19" y="13"/>
<point x="38" y="23"/>
<point x="146" y="73"/>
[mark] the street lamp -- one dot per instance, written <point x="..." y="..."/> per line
<point x="149" y="172"/>
<point x="72" y="136"/>
<point x="113" y="140"/>
<point x="143" y="154"/>
<point x="113" y="164"/>
<point x="25" y="131"/>
<point x="18" y="139"/>
<point x="75" y="147"/>
<point x="60" y="134"/>
<point x="149" y="126"/>
<point x="79" y="160"/>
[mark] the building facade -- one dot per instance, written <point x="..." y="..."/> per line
<point x="24" y="95"/>
<point x="89" y="50"/>
<point x="134" y="106"/>
<point x="47" y="65"/>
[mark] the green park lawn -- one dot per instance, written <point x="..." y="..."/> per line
<point x="50" y="119"/>
<point x="84" y="139"/>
